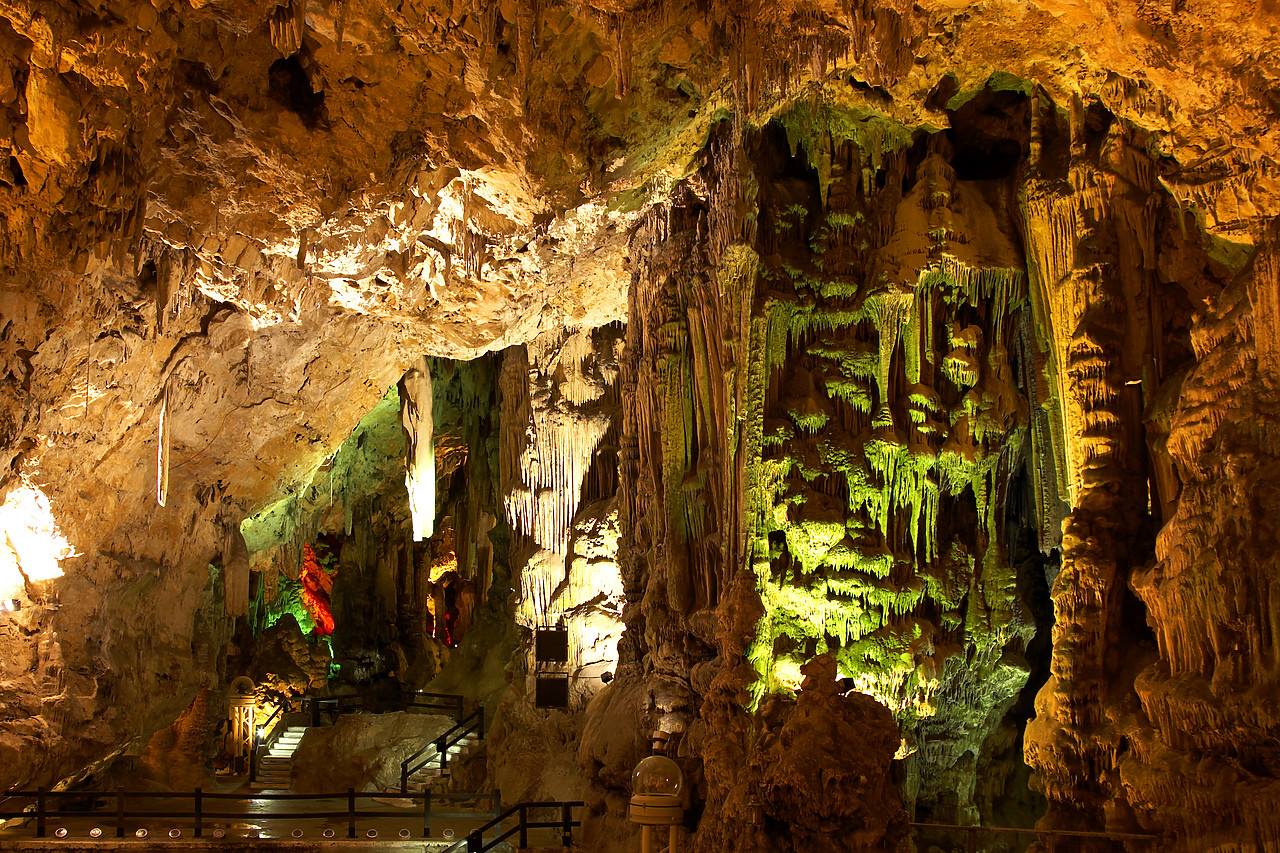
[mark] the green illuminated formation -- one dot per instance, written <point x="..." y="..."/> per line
<point x="346" y="482"/>
<point x="837" y="386"/>
<point x="352" y="515"/>
<point x="883" y="385"/>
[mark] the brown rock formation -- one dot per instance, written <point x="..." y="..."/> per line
<point x="927" y="309"/>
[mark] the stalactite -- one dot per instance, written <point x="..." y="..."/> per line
<point x="420" y="476"/>
<point x="287" y="25"/>
<point x="548" y="440"/>
<point x="162" y="449"/>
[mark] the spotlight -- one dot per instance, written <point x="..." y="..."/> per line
<point x="219" y="833"/>
<point x="297" y="833"/>
<point x="404" y="833"/>
<point x="96" y="832"/>
<point x="10" y="605"/>
<point x="373" y="833"/>
<point x="448" y="834"/>
<point x="140" y="833"/>
<point x="328" y="833"/>
<point x="61" y="832"/>
<point x="175" y="833"/>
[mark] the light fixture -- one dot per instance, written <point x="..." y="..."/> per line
<point x="140" y="833"/>
<point x="373" y="833"/>
<point x="175" y="833"/>
<point x="60" y="832"/>
<point x="656" y="784"/>
<point x="96" y="832"/>
<point x="297" y="833"/>
<point x="448" y="834"/>
<point x="404" y="833"/>
<point x="10" y="605"/>
<point x="328" y="833"/>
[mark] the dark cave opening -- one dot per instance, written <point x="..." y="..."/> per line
<point x="990" y="135"/>
<point x="290" y="86"/>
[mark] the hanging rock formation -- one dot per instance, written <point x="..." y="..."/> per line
<point x="420" y="458"/>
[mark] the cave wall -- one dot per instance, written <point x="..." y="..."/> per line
<point x="1208" y="696"/>
<point x="884" y="384"/>
<point x="230" y="226"/>
<point x="561" y="407"/>
<point x="397" y="597"/>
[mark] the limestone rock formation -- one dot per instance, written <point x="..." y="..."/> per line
<point x="935" y="343"/>
<point x="362" y="751"/>
<point x="786" y="794"/>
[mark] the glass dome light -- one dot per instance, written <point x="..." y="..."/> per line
<point x="657" y="774"/>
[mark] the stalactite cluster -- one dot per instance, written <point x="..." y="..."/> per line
<point x="948" y="371"/>
<point x="558" y="404"/>
<point x="900" y="382"/>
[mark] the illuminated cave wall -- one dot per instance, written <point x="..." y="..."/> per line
<point x="559" y="474"/>
<point x="363" y="599"/>
<point x="898" y="400"/>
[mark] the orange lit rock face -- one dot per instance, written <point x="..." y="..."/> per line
<point x="263" y="213"/>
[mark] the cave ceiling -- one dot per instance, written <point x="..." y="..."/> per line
<point x="456" y="178"/>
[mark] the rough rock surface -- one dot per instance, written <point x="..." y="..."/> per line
<point x="362" y="751"/>
<point x="784" y="794"/>
<point x="230" y="226"/>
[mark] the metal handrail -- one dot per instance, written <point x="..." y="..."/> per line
<point x="199" y="814"/>
<point x="972" y="833"/>
<point x="316" y="705"/>
<point x="474" y="722"/>
<point x="1077" y="833"/>
<point x="475" y="842"/>
<point x="260" y="744"/>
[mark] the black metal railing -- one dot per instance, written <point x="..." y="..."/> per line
<point x="314" y="708"/>
<point x="473" y="723"/>
<point x="565" y="822"/>
<point x="265" y="737"/>
<point x="210" y="806"/>
<point x="1057" y="840"/>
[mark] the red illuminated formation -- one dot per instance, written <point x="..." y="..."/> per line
<point x="316" y="586"/>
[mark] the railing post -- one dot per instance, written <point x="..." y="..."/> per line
<point x="315" y="712"/>
<point x="497" y="802"/>
<point x="480" y="734"/>
<point x="42" y="811"/>
<point x="566" y="825"/>
<point x="475" y="844"/>
<point x="351" y="813"/>
<point x="119" y="811"/>
<point x="199" y="811"/>
<point x="973" y="840"/>
<point x="426" y="815"/>
<point x="404" y="777"/>
<point x="253" y="754"/>
<point x="461" y="709"/>
<point x="443" y="752"/>
<point x="524" y="827"/>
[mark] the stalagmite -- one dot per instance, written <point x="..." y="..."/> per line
<point x="420" y="463"/>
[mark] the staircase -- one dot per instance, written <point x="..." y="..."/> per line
<point x="275" y="769"/>
<point x="429" y="775"/>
